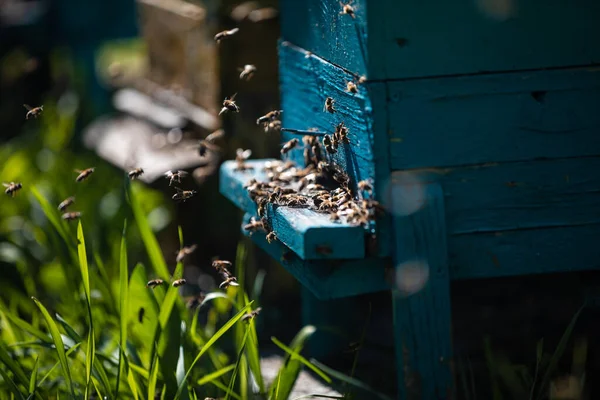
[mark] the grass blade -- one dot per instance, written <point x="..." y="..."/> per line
<point x="58" y="344"/>
<point x="33" y="378"/>
<point x="68" y="353"/>
<point x="295" y="356"/>
<point x="123" y="304"/>
<point x="226" y="390"/>
<point x="237" y="365"/>
<point x="153" y="378"/>
<point x="13" y="386"/>
<point x="210" y="342"/>
<point x="13" y="366"/>
<point x="85" y="276"/>
<point x="214" y="375"/>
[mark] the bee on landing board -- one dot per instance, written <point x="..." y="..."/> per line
<point x="12" y="188"/>
<point x="175" y="176"/>
<point x="33" y="112"/>
<point x="66" y="203"/>
<point x="329" y="105"/>
<point x="84" y="174"/>
<point x="226" y="33"/>
<point x="247" y="72"/>
<point x="351" y="87"/>
<point x="136" y="173"/>
<point x="184" y="252"/>
<point x="229" y="105"/>
<point x="347" y="9"/>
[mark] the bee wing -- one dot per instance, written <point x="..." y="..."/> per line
<point x="247" y="153"/>
<point x="6" y="184"/>
<point x="233" y="31"/>
<point x="233" y="97"/>
<point x="27" y="107"/>
<point x="182" y="173"/>
<point x="168" y="174"/>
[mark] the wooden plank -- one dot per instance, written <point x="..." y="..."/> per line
<point x="414" y="39"/>
<point x="522" y="252"/>
<point x="521" y="195"/>
<point x="494" y="118"/>
<point x="317" y="26"/>
<point x="422" y="315"/>
<point x="309" y="234"/>
<point x="330" y="279"/>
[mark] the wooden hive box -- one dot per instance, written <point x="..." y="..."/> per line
<point x="479" y="123"/>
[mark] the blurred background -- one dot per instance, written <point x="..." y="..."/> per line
<point x="128" y="84"/>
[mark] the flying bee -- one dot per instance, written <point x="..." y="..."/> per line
<point x="229" y="105"/>
<point x="33" y="112"/>
<point x="347" y="9"/>
<point x="253" y="225"/>
<point x="71" y="216"/>
<point x="226" y="33"/>
<point x="196" y="301"/>
<point x="262" y="14"/>
<point x="271" y="237"/>
<point x="329" y="105"/>
<point x="241" y="156"/>
<point x="179" y="282"/>
<point x="328" y="143"/>
<point x="183" y="195"/>
<point x="272" y="126"/>
<point x="289" y="145"/>
<point x="270" y="116"/>
<point x="251" y="314"/>
<point x="247" y="72"/>
<point x="231" y="281"/>
<point x="12" y="188"/>
<point x="208" y="143"/>
<point x="175" y="176"/>
<point x="221" y="264"/>
<point x="351" y="87"/>
<point x="184" y="252"/>
<point x="341" y="132"/>
<point x="141" y="313"/>
<point x="136" y="173"/>
<point x="66" y="203"/>
<point x="154" y="283"/>
<point x="84" y="174"/>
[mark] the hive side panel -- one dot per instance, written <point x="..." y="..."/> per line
<point x="494" y="118"/>
<point x="318" y="27"/>
<point x="435" y="38"/>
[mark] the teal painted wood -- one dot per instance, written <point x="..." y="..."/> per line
<point x="518" y="195"/>
<point x="318" y="27"/>
<point x="413" y="38"/>
<point x="494" y="118"/>
<point x="329" y="279"/>
<point x="422" y="320"/>
<point x="524" y="252"/>
<point x="309" y="234"/>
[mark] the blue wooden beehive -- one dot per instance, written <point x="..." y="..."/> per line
<point x="479" y="123"/>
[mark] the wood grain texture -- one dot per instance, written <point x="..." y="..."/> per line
<point x="318" y="27"/>
<point x="521" y="195"/>
<point x="329" y="279"/>
<point x="311" y="235"/>
<point x="494" y="118"/>
<point x="422" y="319"/>
<point x="416" y="39"/>
<point x="523" y="252"/>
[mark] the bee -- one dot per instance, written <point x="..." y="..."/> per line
<point x="253" y="225"/>
<point x="251" y="314"/>
<point x="179" y="282"/>
<point x="208" y="143"/>
<point x="196" y="301"/>
<point x="220" y="265"/>
<point x="362" y="80"/>
<point x="226" y="33"/>
<point x="175" y="176"/>
<point x="351" y="87"/>
<point x="271" y="237"/>
<point x="141" y="313"/>
<point x="231" y="281"/>
<point x="229" y="105"/>
<point x="347" y="9"/>
<point x="270" y="116"/>
<point x="262" y="14"/>
<point x="183" y="195"/>
<point x="66" y="203"/>
<point x="261" y="206"/>
<point x="136" y="173"/>
<point x="12" y="188"/>
<point x="247" y="72"/>
<point x="327" y="205"/>
<point x="33" y="112"/>
<point x="341" y="132"/>
<point x="328" y="142"/>
<point x="329" y="105"/>
<point x="186" y="251"/>
<point x="365" y="186"/>
<point x="84" y="174"/>
<point x="154" y="283"/>
<point x="289" y="145"/>
<point x="272" y="126"/>
<point x="71" y="216"/>
<point x="241" y="156"/>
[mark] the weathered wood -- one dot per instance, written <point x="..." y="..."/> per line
<point x="494" y="118"/>
<point x="415" y="39"/>
<point x="309" y="234"/>
<point x="329" y="279"/>
<point x="422" y="320"/>
<point x="521" y="195"/>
